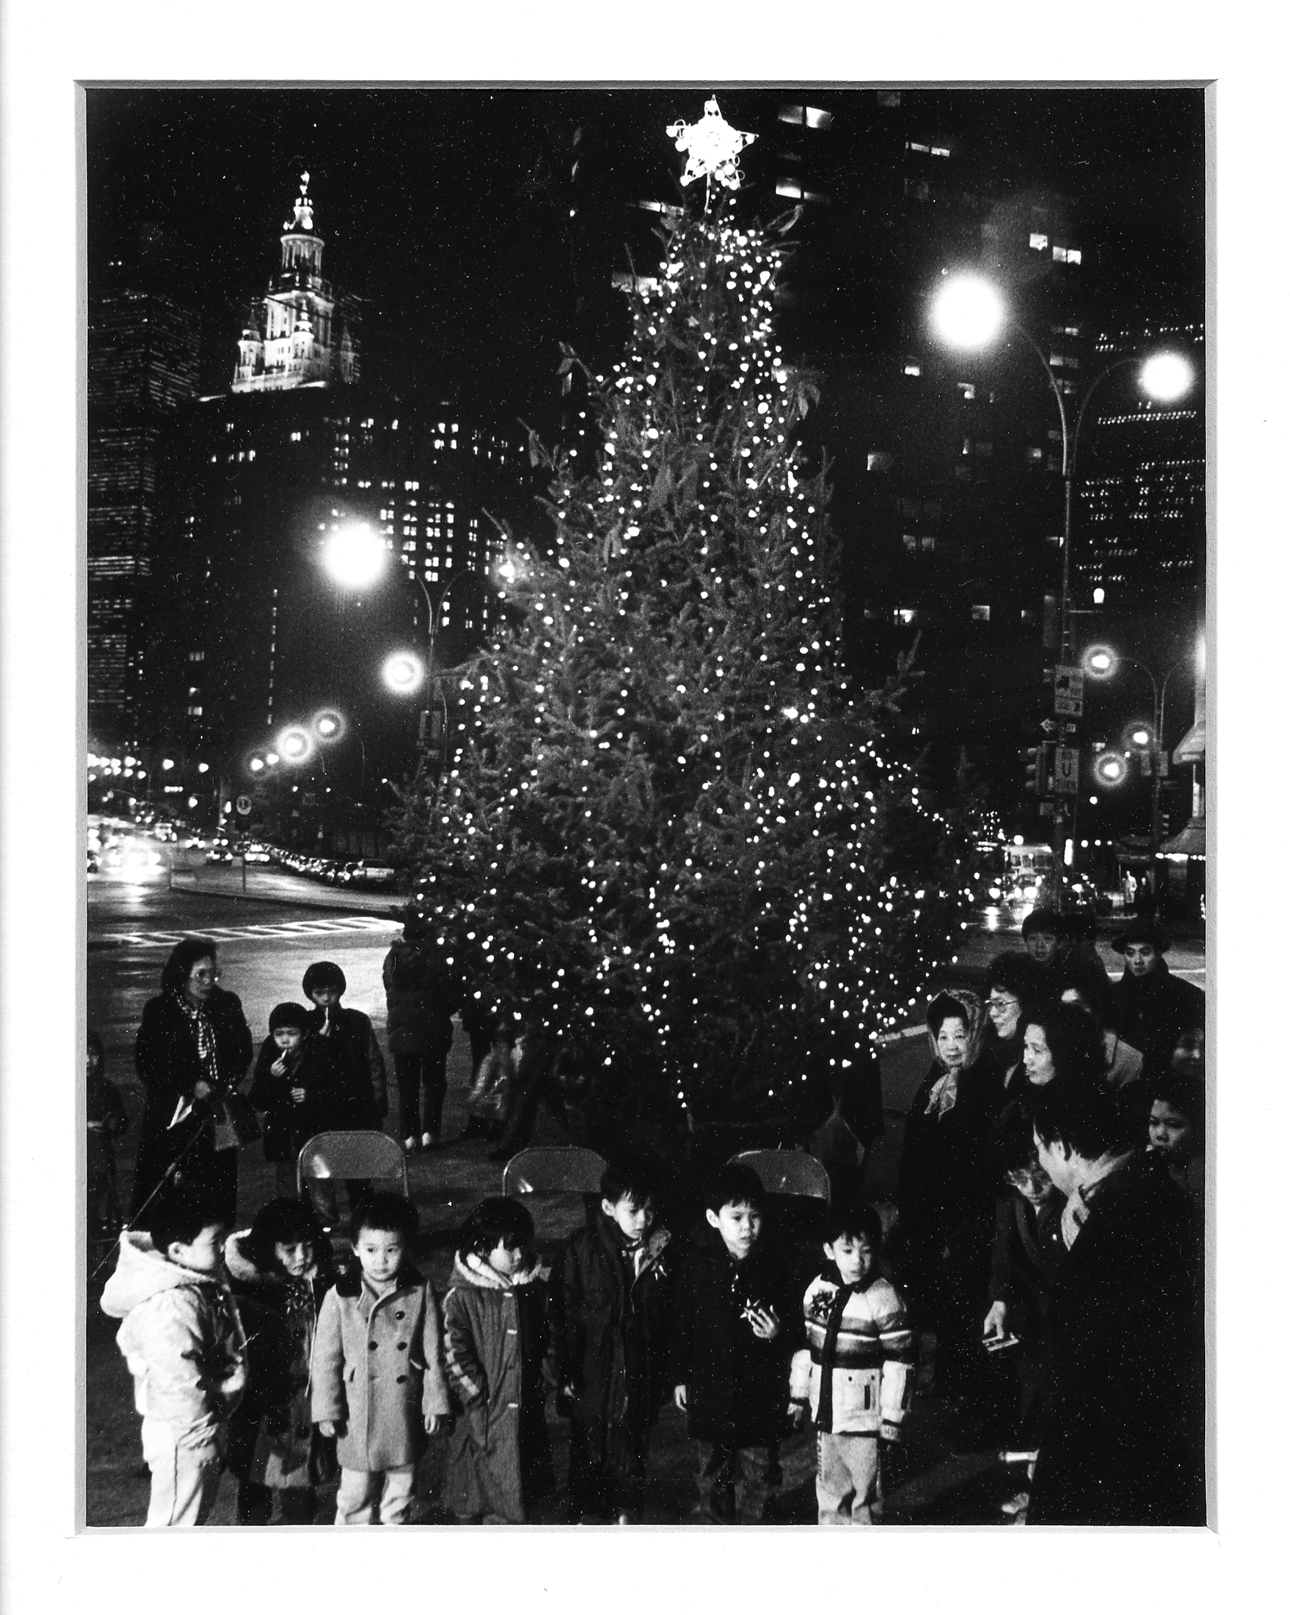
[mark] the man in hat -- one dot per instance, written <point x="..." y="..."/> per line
<point x="1153" y="1009"/>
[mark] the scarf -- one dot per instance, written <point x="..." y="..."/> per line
<point x="204" y="1032"/>
<point x="944" y="1094"/>
<point x="824" y="1412"/>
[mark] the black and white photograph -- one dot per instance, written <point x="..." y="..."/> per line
<point x="645" y="820"/>
<point x="613" y="639"/>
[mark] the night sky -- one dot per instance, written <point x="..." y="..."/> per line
<point x="447" y="210"/>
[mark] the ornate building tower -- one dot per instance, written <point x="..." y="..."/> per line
<point x="295" y="336"/>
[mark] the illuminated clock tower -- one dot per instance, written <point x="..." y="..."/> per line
<point x="294" y="336"/>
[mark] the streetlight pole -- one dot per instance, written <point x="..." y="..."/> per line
<point x="969" y="312"/>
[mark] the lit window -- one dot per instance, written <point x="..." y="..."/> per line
<point x="1034" y="455"/>
<point x="295" y="437"/>
<point x="1067" y="255"/>
<point x="879" y="460"/>
<point x="1039" y="242"/>
<point x="928" y="543"/>
<point x="789" y="187"/>
<point x="940" y="151"/>
<point x="916" y="145"/>
<point x="911" y="542"/>
<point x="194" y="712"/>
<point x="196" y="655"/>
<point x="906" y="615"/>
<point x="817" y="118"/>
<point x="980" y="613"/>
<point x="967" y="390"/>
<point x="792" y="114"/>
<point x="913" y="367"/>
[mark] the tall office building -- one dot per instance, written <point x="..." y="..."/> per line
<point x="249" y="631"/>
<point x="142" y="360"/>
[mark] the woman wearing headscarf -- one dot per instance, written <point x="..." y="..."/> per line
<point x="945" y="1189"/>
<point x="192" y="1050"/>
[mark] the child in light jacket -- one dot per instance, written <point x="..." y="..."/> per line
<point x="856" y="1371"/>
<point x="378" y="1375"/>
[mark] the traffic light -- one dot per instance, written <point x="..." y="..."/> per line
<point x="1037" y="769"/>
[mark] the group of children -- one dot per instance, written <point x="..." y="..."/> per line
<point x="249" y="1351"/>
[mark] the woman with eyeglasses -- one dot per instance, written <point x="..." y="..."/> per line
<point x="193" y="1048"/>
<point x="1012" y="984"/>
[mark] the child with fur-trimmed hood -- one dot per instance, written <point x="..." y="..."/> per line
<point x="279" y="1270"/>
<point x="499" y="1353"/>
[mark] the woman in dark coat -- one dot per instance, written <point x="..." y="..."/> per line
<point x="192" y="1048"/>
<point x="420" y="997"/>
<point x="945" y="1190"/>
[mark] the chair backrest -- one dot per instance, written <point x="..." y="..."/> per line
<point x="352" y="1155"/>
<point x="788" y="1172"/>
<point x="553" y="1170"/>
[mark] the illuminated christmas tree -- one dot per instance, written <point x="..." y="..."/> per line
<point x="675" y="837"/>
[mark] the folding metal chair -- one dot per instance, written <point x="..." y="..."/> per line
<point x="556" y="1170"/>
<point x="352" y="1155"/>
<point x="788" y="1172"/>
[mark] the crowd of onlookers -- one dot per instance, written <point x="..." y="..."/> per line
<point x="1043" y="1262"/>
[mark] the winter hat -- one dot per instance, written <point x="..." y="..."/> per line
<point x="289" y="1015"/>
<point x="323" y="974"/>
<point x="1047" y="920"/>
<point x="1142" y="931"/>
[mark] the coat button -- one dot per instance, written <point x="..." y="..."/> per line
<point x="371" y="1345"/>
<point x="400" y="1315"/>
<point x="402" y="1346"/>
<point x="401" y="1379"/>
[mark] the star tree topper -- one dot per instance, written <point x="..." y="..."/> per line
<point x="712" y="147"/>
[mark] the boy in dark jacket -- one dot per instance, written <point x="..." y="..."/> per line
<point x="613" y="1299"/>
<point x="735" y="1325"/>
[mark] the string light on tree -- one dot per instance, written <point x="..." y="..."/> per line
<point x="677" y="837"/>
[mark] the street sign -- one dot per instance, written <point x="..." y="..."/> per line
<point x="1068" y="691"/>
<point x="1049" y="726"/>
<point x="1066" y="770"/>
<point x="243" y="806"/>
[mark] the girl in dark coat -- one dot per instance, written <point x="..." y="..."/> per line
<point x="279" y="1270"/>
<point x="945" y="1189"/>
<point x="498" y="1348"/>
<point x="192" y="1049"/>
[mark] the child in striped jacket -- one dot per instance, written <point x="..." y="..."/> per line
<point x="856" y="1372"/>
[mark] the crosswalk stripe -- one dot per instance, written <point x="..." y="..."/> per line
<point x="232" y="933"/>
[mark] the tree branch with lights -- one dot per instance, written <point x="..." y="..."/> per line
<point x="676" y="837"/>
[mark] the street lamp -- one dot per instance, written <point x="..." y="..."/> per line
<point x="354" y="556"/>
<point x="295" y="745"/>
<point x="403" y="672"/>
<point x="968" y="311"/>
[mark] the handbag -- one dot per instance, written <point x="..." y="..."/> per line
<point x="238" y="1124"/>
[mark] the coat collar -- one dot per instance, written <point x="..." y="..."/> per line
<point x="474" y="1272"/>
<point x="349" y="1281"/>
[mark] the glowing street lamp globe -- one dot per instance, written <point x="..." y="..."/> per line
<point x="967" y="312"/>
<point x="1166" y="377"/>
<point x="295" y="745"/>
<point x="1100" y="661"/>
<point x="328" y="724"/>
<point x="1110" y="769"/>
<point x="354" y="556"/>
<point x="403" y="672"/>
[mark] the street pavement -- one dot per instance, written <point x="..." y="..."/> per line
<point x="267" y="939"/>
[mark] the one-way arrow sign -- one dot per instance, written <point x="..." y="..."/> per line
<point x="1048" y="726"/>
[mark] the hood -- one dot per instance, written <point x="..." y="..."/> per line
<point x="977" y="1022"/>
<point x="141" y="1272"/>
<point x="474" y="1271"/>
